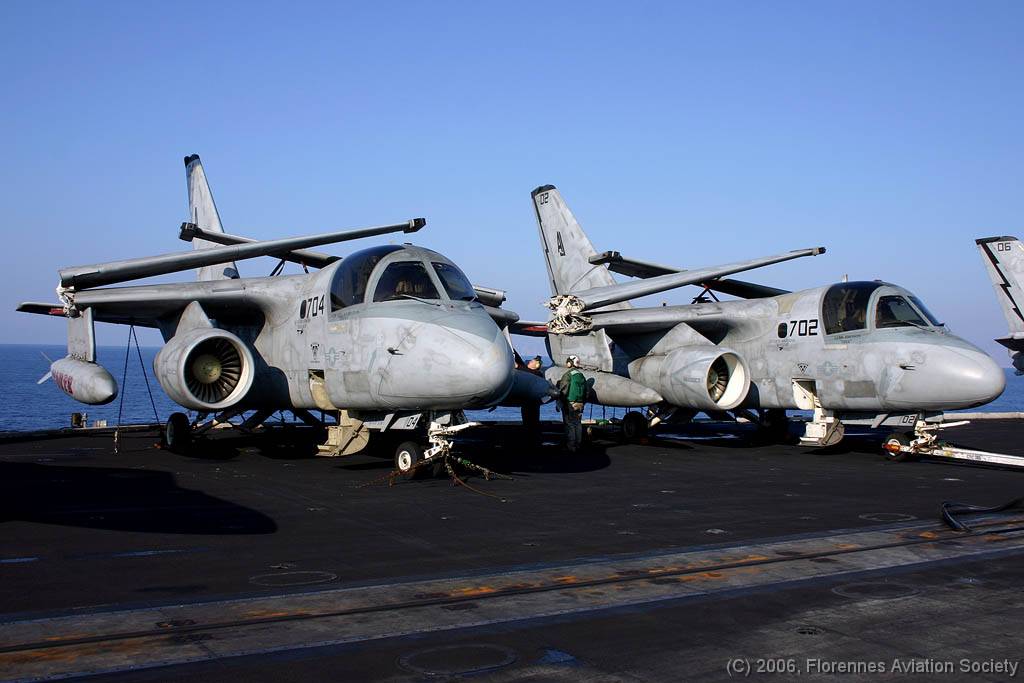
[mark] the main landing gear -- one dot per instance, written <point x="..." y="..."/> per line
<point x="177" y="437"/>
<point x="180" y="435"/>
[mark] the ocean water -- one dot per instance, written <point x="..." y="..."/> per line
<point x="28" y="406"/>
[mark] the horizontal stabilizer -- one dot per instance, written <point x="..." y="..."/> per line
<point x="82" y="277"/>
<point x="617" y="263"/>
<point x="603" y="296"/>
<point x="1014" y="343"/>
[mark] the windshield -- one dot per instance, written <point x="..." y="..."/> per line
<point x="925" y="312"/>
<point x="845" y="306"/>
<point x="405" y="279"/>
<point x="896" y="311"/>
<point x="455" y="283"/>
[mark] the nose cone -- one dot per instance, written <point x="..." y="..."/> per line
<point x="460" y="360"/>
<point x="953" y="378"/>
<point x="482" y="367"/>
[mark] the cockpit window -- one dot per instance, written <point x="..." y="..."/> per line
<point x="896" y="311"/>
<point x="455" y="283"/>
<point x="925" y="312"/>
<point x="348" y="287"/>
<point x="845" y="307"/>
<point x="405" y="279"/>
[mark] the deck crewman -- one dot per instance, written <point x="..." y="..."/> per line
<point x="572" y="388"/>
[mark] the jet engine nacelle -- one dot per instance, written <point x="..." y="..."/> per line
<point x="698" y="377"/>
<point x="205" y="369"/>
<point x="83" y="381"/>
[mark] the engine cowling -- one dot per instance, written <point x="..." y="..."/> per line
<point x="698" y="377"/>
<point x="206" y="369"/>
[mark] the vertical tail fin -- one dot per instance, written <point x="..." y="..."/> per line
<point x="567" y="252"/>
<point x="1004" y="260"/>
<point x="203" y="212"/>
<point x="567" y="249"/>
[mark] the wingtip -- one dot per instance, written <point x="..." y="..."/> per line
<point x="40" y="308"/>
<point x="819" y="250"/>
<point x="415" y="224"/>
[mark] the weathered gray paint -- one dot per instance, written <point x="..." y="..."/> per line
<point x="902" y="369"/>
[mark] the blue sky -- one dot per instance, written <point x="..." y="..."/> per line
<point x="685" y="133"/>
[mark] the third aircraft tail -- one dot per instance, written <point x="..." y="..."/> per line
<point x="1004" y="261"/>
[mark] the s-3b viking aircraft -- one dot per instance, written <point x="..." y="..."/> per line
<point x="853" y="352"/>
<point x="390" y="338"/>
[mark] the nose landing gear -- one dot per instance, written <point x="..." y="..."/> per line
<point x="413" y="462"/>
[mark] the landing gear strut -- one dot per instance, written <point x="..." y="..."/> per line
<point x="824" y="429"/>
<point x="411" y="461"/>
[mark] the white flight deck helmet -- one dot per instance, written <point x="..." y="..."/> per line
<point x="572" y="361"/>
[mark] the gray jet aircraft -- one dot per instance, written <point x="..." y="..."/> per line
<point x="1004" y="261"/>
<point x="391" y="338"/>
<point x="851" y="352"/>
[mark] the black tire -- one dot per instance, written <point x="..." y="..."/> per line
<point x="178" y="433"/>
<point x="634" y="426"/>
<point x="897" y="439"/>
<point x="773" y="428"/>
<point x="407" y="456"/>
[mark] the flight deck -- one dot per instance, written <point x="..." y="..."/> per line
<point x="694" y="555"/>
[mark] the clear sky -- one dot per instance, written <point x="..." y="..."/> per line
<point x="684" y="133"/>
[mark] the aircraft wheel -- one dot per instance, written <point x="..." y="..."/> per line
<point x="773" y="429"/>
<point x="895" y="441"/>
<point x="407" y="456"/>
<point x="634" y="426"/>
<point x="178" y="433"/>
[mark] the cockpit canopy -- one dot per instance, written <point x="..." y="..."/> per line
<point x="851" y="306"/>
<point x="391" y="272"/>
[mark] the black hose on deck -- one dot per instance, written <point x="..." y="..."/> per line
<point x="951" y="510"/>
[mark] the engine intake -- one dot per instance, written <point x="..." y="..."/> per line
<point x="698" y="377"/>
<point x="206" y="369"/>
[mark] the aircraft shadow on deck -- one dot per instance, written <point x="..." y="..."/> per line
<point x="119" y="499"/>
